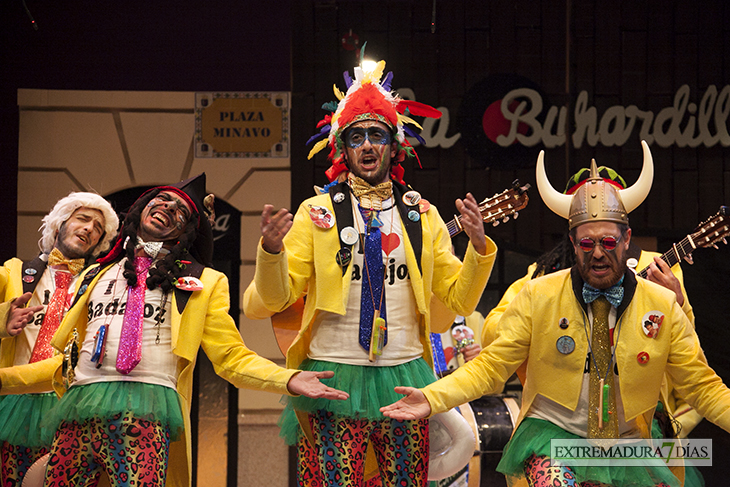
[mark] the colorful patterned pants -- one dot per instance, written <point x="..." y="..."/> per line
<point x="338" y="455"/>
<point x="539" y="473"/>
<point x="16" y="460"/>
<point x="131" y="451"/>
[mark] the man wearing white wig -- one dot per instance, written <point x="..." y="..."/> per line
<point x="598" y="341"/>
<point x="78" y="228"/>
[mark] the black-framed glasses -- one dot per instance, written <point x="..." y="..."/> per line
<point x="608" y="242"/>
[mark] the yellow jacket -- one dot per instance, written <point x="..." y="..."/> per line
<point x="529" y="327"/>
<point x="11" y="286"/>
<point x="688" y="417"/>
<point x="307" y="263"/>
<point x="204" y="322"/>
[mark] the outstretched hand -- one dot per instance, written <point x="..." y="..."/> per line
<point x="472" y="222"/>
<point x="274" y="228"/>
<point x="19" y="316"/>
<point x="660" y="273"/>
<point x="413" y="406"/>
<point x="306" y="383"/>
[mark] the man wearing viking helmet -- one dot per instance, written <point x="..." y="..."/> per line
<point x="592" y="371"/>
<point x="369" y="275"/>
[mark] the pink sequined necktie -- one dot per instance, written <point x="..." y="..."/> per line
<point x="130" y="343"/>
<point x="55" y="311"/>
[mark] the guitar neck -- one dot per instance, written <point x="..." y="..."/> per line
<point x="454" y="226"/>
<point x="674" y="255"/>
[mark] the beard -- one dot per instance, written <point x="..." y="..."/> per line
<point x="601" y="273"/>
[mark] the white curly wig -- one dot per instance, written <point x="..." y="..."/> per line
<point x="63" y="210"/>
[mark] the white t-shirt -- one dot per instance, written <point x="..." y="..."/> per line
<point x="106" y="306"/>
<point x="335" y="338"/>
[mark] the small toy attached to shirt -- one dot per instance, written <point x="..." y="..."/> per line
<point x="377" y="339"/>
<point x="463" y="336"/>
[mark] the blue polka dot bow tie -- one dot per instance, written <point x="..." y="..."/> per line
<point x="614" y="294"/>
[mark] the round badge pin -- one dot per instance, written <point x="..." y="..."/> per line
<point x="631" y="263"/>
<point x="414" y="216"/>
<point x="30" y="271"/>
<point x="411" y="198"/>
<point x="28" y="279"/>
<point x="343" y="257"/>
<point x="348" y="235"/>
<point x="321" y="217"/>
<point x="642" y="358"/>
<point x="651" y="323"/>
<point x="565" y="344"/>
<point x="423" y="206"/>
<point x="563" y="323"/>
<point x="339" y="197"/>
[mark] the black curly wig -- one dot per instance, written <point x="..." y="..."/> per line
<point x="165" y="271"/>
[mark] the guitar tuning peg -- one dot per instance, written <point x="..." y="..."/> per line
<point x="724" y="241"/>
<point x="516" y="215"/>
<point x="495" y="223"/>
<point x="715" y="246"/>
<point x="505" y="219"/>
<point x="689" y="259"/>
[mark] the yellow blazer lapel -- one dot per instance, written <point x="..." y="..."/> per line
<point x="175" y="319"/>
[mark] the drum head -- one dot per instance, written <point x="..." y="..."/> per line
<point x="36" y="474"/>
<point x="451" y="442"/>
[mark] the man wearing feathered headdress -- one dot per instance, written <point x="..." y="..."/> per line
<point x="369" y="253"/>
<point x="130" y="343"/>
<point x="593" y="371"/>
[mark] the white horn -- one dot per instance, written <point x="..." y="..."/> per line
<point x="634" y="195"/>
<point x="558" y="202"/>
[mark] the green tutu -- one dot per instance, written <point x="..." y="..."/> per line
<point x="692" y="475"/>
<point x="370" y="388"/>
<point x="533" y="437"/>
<point x="149" y="402"/>
<point x="21" y="417"/>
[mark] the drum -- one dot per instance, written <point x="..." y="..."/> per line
<point x="495" y="418"/>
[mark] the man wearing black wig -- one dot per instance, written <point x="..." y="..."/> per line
<point x="129" y="346"/>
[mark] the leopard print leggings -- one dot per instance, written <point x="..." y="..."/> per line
<point x="338" y="457"/>
<point x="131" y="451"/>
<point x="16" y="460"/>
<point x="539" y="473"/>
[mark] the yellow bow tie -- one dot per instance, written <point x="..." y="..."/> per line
<point x="370" y="196"/>
<point x="74" y="265"/>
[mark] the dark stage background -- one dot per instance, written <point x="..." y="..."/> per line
<point x="457" y="54"/>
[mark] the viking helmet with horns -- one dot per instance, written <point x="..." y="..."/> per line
<point x="596" y="200"/>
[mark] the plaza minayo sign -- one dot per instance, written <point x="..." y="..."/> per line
<point x="242" y="124"/>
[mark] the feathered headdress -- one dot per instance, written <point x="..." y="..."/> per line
<point x="369" y="98"/>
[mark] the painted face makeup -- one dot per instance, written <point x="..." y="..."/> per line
<point x="368" y="149"/>
<point x="164" y="218"/>
<point x="357" y="136"/>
